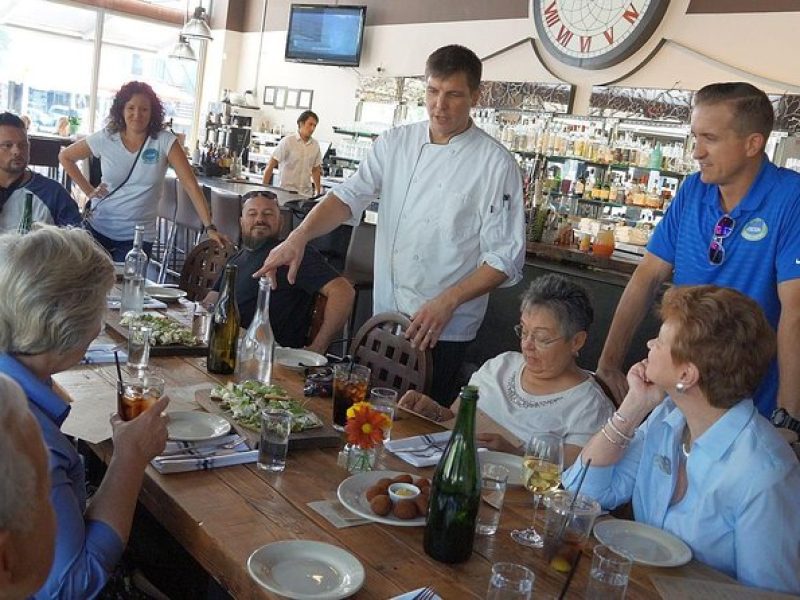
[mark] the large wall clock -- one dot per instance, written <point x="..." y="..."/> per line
<point x="596" y="34"/>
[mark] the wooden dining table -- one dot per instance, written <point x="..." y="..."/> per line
<point x="221" y="516"/>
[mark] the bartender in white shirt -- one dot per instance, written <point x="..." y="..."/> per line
<point x="299" y="158"/>
<point x="450" y="221"/>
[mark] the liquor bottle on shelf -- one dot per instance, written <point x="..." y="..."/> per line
<point x="258" y="346"/>
<point x="455" y="489"/>
<point x="134" y="275"/>
<point x="224" y="339"/>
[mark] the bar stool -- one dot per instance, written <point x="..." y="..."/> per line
<point x="186" y="228"/>
<point x="226" y="208"/>
<point x="358" y="268"/>
<point x="165" y="218"/>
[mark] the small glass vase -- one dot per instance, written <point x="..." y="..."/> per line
<point x="361" y="459"/>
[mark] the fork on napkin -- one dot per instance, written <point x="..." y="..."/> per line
<point x="426" y="593"/>
<point x="179" y="457"/>
<point x="420" y="450"/>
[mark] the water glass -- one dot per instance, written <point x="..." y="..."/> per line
<point x="276" y="425"/>
<point x="139" y="346"/>
<point x="567" y="526"/>
<point x="384" y="400"/>
<point x="608" y="578"/>
<point x="494" y="479"/>
<point x="350" y="384"/>
<point x="137" y="394"/>
<point x="510" y="582"/>
<point x="201" y="323"/>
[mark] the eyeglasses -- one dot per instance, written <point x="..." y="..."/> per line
<point x="722" y="230"/>
<point x="538" y="343"/>
<point x="254" y="193"/>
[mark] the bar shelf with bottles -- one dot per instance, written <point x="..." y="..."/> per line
<point x="226" y="142"/>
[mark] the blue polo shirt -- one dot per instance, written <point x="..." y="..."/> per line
<point x="86" y="552"/>
<point x="762" y="252"/>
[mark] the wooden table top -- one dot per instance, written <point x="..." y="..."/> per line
<point x="221" y="516"/>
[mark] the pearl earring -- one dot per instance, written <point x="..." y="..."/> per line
<point x="680" y="387"/>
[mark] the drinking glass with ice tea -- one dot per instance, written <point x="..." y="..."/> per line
<point x="136" y="394"/>
<point x="350" y="383"/>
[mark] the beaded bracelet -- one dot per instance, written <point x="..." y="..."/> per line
<point x="616" y="430"/>
<point x="622" y="419"/>
<point x="622" y="444"/>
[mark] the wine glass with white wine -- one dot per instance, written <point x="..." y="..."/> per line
<point x="541" y="473"/>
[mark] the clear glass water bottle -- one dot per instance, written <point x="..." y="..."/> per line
<point x="26" y="222"/>
<point x="258" y="346"/>
<point x="134" y="275"/>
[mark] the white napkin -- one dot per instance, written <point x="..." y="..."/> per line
<point x="99" y="353"/>
<point x="420" y="450"/>
<point x="113" y="302"/>
<point x="413" y="594"/>
<point x="179" y="457"/>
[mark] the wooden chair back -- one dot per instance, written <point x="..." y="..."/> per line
<point x="380" y="345"/>
<point x="202" y="268"/>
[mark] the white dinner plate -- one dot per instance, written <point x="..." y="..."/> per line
<point x="306" y="570"/>
<point x="195" y="426"/>
<point x="352" y="494"/>
<point x="512" y="462"/>
<point x="297" y="359"/>
<point x="165" y="294"/>
<point x="644" y="544"/>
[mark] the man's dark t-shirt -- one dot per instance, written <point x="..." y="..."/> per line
<point x="289" y="305"/>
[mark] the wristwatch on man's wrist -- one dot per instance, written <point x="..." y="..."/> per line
<point x="211" y="227"/>
<point x="781" y="418"/>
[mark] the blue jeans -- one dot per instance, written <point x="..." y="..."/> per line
<point x="118" y="248"/>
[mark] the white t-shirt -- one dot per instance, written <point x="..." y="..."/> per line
<point x="444" y="210"/>
<point x="296" y="159"/>
<point x="575" y="414"/>
<point x="136" y="201"/>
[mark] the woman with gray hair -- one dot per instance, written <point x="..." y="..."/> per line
<point x="541" y="388"/>
<point x="54" y="284"/>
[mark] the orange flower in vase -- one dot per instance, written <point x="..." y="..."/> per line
<point x="364" y="431"/>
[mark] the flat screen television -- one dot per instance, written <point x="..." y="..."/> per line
<point x="325" y="35"/>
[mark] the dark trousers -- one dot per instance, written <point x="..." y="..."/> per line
<point x="118" y="248"/>
<point x="447" y="360"/>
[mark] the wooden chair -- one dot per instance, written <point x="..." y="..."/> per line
<point x="380" y="345"/>
<point x="202" y="268"/>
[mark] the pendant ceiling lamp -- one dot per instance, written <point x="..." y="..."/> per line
<point x="182" y="50"/>
<point x="197" y="27"/>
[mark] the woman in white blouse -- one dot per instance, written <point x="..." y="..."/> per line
<point x="540" y="388"/>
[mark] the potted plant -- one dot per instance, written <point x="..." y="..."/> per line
<point x="74" y="123"/>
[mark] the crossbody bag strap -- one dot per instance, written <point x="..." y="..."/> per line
<point x="87" y="208"/>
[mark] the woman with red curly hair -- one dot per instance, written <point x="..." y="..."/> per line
<point x="704" y="465"/>
<point x="134" y="151"/>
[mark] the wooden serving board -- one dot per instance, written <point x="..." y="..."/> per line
<point x="161" y="350"/>
<point x="319" y="437"/>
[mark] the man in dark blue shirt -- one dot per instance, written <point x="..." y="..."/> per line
<point x="290" y="305"/>
<point x="51" y="203"/>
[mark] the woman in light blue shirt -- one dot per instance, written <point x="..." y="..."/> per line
<point x="705" y="465"/>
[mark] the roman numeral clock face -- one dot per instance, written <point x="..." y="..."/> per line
<point x="596" y="34"/>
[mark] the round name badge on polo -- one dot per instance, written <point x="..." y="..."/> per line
<point x="755" y="230"/>
<point x="150" y="156"/>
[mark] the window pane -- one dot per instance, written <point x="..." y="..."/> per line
<point x="46" y="54"/>
<point x="133" y="50"/>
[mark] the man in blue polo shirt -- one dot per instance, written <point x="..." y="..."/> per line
<point x="736" y="224"/>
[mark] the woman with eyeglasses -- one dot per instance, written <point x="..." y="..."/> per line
<point x="134" y="151"/>
<point x="540" y="388"/>
<point x="705" y="465"/>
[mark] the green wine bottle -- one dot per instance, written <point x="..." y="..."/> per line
<point x="223" y="342"/>
<point x="455" y="489"/>
<point x="26" y="222"/>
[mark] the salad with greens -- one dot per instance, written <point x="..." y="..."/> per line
<point x="247" y="399"/>
<point x="165" y="330"/>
